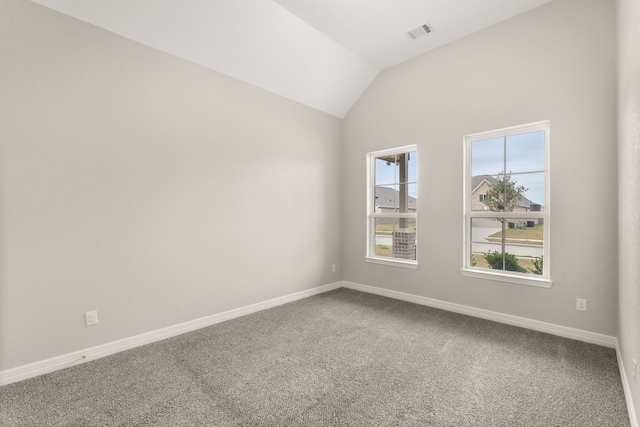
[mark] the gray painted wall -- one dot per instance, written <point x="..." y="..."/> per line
<point x="556" y="62"/>
<point x="629" y="189"/>
<point x="148" y="188"/>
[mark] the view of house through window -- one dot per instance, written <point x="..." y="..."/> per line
<point x="393" y="205"/>
<point x="506" y="204"/>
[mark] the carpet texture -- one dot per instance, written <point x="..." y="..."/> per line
<point x="343" y="358"/>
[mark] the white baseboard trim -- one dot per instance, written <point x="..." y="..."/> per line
<point x="523" y="322"/>
<point x="536" y="325"/>
<point x="77" y="357"/>
<point x="633" y="419"/>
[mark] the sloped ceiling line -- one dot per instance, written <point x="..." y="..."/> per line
<point x="321" y="53"/>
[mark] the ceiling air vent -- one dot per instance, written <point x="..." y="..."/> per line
<point x="418" y="32"/>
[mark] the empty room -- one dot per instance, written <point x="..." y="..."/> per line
<point x="309" y="212"/>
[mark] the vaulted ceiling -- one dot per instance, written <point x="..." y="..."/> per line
<point x="321" y="53"/>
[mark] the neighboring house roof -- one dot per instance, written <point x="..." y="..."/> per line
<point x="389" y="198"/>
<point x="476" y="181"/>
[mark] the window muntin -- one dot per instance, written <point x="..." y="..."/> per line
<point x="392" y="206"/>
<point x="507" y="204"/>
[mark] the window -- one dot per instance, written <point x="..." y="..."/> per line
<point x="392" y="206"/>
<point x="506" y="200"/>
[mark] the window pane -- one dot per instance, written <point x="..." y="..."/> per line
<point x="481" y="187"/>
<point x="383" y="238"/>
<point x="412" y="198"/>
<point x="386" y="199"/>
<point x="517" y="190"/>
<point x="386" y="170"/>
<point x="519" y="249"/>
<point x="395" y="238"/>
<point x="525" y="152"/>
<point x="412" y="167"/>
<point x="487" y="157"/>
<point x="533" y="195"/>
<point x="405" y="242"/>
<point x="404" y="202"/>
<point x="526" y="244"/>
<point x="483" y="240"/>
<point x="508" y="194"/>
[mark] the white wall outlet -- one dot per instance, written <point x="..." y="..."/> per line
<point x="91" y="318"/>
<point x="333" y="268"/>
<point x="635" y="372"/>
<point x="581" y="304"/>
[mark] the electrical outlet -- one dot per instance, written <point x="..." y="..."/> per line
<point x="91" y="317"/>
<point x="581" y="304"/>
<point x="333" y="268"/>
<point x="635" y="372"/>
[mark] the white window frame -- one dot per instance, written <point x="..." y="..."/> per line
<point x="371" y="215"/>
<point x="512" y="277"/>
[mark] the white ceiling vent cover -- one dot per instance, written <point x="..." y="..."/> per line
<point x="420" y="31"/>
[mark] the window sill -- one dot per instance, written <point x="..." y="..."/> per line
<point x="392" y="262"/>
<point x="509" y="278"/>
